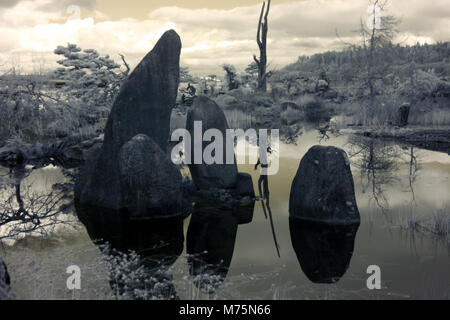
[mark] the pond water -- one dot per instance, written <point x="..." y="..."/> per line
<point x="402" y="195"/>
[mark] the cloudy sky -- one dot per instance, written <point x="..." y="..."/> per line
<point x="213" y="32"/>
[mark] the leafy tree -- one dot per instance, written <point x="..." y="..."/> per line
<point x="185" y="76"/>
<point x="231" y="76"/>
<point x="93" y="79"/>
<point x="252" y="69"/>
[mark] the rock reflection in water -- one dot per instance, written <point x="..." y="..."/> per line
<point x="323" y="250"/>
<point x="210" y="243"/>
<point x="157" y="243"/>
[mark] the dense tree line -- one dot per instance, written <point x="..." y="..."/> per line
<point x="345" y="64"/>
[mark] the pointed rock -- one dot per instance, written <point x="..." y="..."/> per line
<point x="143" y="106"/>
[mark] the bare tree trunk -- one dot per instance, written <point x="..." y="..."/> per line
<point x="371" y="59"/>
<point x="261" y="39"/>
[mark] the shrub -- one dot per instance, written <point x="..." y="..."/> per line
<point x="314" y="108"/>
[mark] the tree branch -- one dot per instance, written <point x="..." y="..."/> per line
<point x="256" y="60"/>
<point x="258" y="35"/>
<point x="125" y="63"/>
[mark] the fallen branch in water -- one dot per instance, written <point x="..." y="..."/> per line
<point x="16" y="152"/>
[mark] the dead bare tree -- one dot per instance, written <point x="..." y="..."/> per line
<point x="377" y="36"/>
<point x="261" y="39"/>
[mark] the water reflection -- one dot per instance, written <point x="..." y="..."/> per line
<point x="323" y="250"/>
<point x="377" y="162"/>
<point x="27" y="211"/>
<point x="413" y="169"/>
<point x="210" y="243"/>
<point x="264" y="196"/>
<point x="140" y="251"/>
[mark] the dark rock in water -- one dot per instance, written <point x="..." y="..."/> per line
<point x="403" y="115"/>
<point x="323" y="188"/>
<point x="244" y="214"/>
<point x="244" y="186"/>
<point x="151" y="185"/>
<point x="6" y="292"/>
<point x="143" y="106"/>
<point x="241" y="199"/>
<point x="323" y="250"/>
<point x="158" y="243"/>
<point x="224" y="199"/>
<point x="222" y="176"/>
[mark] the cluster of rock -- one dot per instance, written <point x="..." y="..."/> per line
<point x="132" y="170"/>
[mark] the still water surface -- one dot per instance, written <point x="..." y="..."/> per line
<point x="395" y="186"/>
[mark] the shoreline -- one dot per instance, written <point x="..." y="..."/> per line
<point x="433" y="139"/>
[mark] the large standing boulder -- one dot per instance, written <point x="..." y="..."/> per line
<point x="323" y="189"/>
<point x="143" y="106"/>
<point x="221" y="176"/>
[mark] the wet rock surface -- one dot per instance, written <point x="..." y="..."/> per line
<point x="323" y="188"/>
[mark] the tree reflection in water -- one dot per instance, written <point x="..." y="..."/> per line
<point x="377" y="161"/>
<point x="24" y="211"/>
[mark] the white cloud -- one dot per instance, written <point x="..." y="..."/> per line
<point x="210" y="37"/>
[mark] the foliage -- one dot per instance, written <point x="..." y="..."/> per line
<point x="75" y="96"/>
<point x="185" y="76"/>
<point x="92" y="79"/>
<point x="132" y="279"/>
<point x="315" y="109"/>
<point x="231" y="77"/>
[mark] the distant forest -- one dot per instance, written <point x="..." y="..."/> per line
<point x="346" y="65"/>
